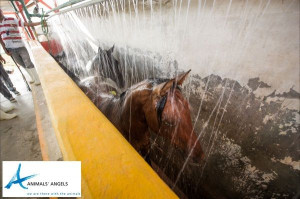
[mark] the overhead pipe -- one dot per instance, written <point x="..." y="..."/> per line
<point x="78" y="6"/>
<point x="69" y="3"/>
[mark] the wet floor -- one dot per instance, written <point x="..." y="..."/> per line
<point x="20" y="139"/>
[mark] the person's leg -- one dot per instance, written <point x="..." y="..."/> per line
<point x="29" y="65"/>
<point x="17" y="58"/>
<point x="7" y="81"/>
<point x="5" y="92"/>
<point x="26" y="58"/>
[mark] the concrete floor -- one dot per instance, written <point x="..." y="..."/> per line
<point x="21" y="140"/>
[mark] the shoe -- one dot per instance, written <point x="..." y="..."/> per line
<point x="12" y="99"/>
<point x="7" y="108"/>
<point x="7" y="116"/>
<point x="9" y="71"/>
<point x="16" y="92"/>
<point x="34" y="76"/>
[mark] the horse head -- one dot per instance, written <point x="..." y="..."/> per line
<point x="104" y="64"/>
<point x="155" y="105"/>
<point x="167" y="113"/>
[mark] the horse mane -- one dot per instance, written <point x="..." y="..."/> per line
<point x="152" y="81"/>
<point x="157" y="81"/>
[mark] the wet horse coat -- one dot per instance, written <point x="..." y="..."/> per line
<point x="151" y="105"/>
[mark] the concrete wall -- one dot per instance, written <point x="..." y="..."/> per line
<point x="244" y="87"/>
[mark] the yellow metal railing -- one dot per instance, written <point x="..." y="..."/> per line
<point x="111" y="168"/>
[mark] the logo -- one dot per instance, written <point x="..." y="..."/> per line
<point x="17" y="180"/>
<point x="41" y="179"/>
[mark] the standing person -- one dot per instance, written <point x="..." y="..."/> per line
<point x="5" y="92"/>
<point x="4" y="77"/>
<point x="13" y="44"/>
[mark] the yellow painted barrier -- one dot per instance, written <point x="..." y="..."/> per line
<point x="111" y="168"/>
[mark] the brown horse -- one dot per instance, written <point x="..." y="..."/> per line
<point x="151" y="105"/>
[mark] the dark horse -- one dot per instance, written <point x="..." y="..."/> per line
<point x="106" y="66"/>
<point x="151" y="105"/>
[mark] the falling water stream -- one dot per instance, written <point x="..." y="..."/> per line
<point x="242" y="92"/>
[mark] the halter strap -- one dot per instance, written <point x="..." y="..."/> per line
<point x="160" y="107"/>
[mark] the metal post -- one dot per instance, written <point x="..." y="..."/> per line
<point x="44" y="3"/>
<point x="23" y="6"/>
<point x="12" y="3"/>
<point x="25" y="20"/>
<point x="55" y="5"/>
<point x="16" y="12"/>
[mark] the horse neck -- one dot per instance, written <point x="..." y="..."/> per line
<point x="133" y="120"/>
<point x="110" y="106"/>
<point x="125" y="112"/>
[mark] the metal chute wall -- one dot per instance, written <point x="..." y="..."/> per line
<point x="243" y="90"/>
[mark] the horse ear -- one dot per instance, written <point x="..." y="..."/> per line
<point x="163" y="88"/>
<point x="99" y="50"/>
<point x="180" y="78"/>
<point x="111" y="50"/>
